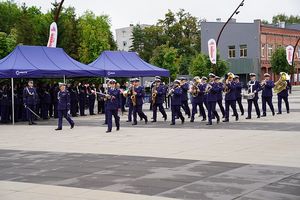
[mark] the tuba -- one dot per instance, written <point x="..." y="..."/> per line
<point x="133" y="96"/>
<point x="230" y="77"/>
<point x="154" y="94"/>
<point x="281" y="84"/>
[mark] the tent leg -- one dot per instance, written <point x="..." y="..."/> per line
<point x="64" y="79"/>
<point x="12" y="101"/>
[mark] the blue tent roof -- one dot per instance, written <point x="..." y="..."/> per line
<point x="38" y="61"/>
<point x="126" y="64"/>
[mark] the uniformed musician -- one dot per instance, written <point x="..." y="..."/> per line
<point x="158" y="95"/>
<point x="267" y="86"/>
<point x="238" y="94"/>
<point x="230" y="97"/>
<point x="137" y="98"/>
<point x="284" y="94"/>
<point x="63" y="106"/>
<point x="220" y="95"/>
<point x="176" y="102"/>
<point x="197" y="98"/>
<point x="253" y="87"/>
<point x="184" y="97"/>
<point x="212" y="89"/>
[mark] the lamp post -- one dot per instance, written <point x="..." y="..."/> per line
<point x="293" y="60"/>
<point x="236" y="11"/>
<point x="58" y="11"/>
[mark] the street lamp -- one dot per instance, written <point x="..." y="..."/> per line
<point x="293" y="60"/>
<point x="236" y="12"/>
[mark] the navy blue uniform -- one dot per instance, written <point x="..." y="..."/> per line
<point x="159" y="100"/>
<point x="82" y="99"/>
<point x="176" y="103"/>
<point x="220" y="98"/>
<point x="184" y="99"/>
<point x="198" y="101"/>
<point x="91" y="96"/>
<point x="266" y="96"/>
<point x="73" y="101"/>
<point x="238" y="94"/>
<point x="211" y="102"/>
<point x="138" y="108"/>
<point x="45" y="103"/>
<point x="230" y="100"/>
<point x="112" y="106"/>
<point x="5" y="98"/>
<point x="30" y="99"/>
<point x="255" y="89"/>
<point x="63" y="107"/>
<point x="284" y="95"/>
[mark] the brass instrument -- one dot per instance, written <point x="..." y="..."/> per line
<point x="281" y="84"/>
<point x="250" y="94"/>
<point x="263" y="84"/>
<point x="195" y="89"/>
<point x="208" y="88"/>
<point x="154" y="93"/>
<point x="230" y="77"/>
<point x="133" y="96"/>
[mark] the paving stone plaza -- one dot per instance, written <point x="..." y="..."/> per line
<point x="254" y="159"/>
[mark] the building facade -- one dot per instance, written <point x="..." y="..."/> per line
<point x="124" y="37"/>
<point x="248" y="47"/>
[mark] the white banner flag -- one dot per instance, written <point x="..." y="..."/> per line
<point x="212" y="51"/>
<point x="53" y="36"/>
<point x="289" y="54"/>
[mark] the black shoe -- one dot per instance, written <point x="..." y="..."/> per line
<point x="258" y="116"/>
<point x="232" y="115"/>
<point x="223" y="117"/>
<point x="146" y="120"/>
<point x="108" y="131"/>
<point x="192" y="120"/>
<point x="226" y="120"/>
<point x="189" y="116"/>
<point x="182" y="121"/>
<point x="134" y="123"/>
<point x="118" y="128"/>
<point x="165" y="118"/>
<point x="242" y="113"/>
<point x="273" y="113"/>
<point x="248" y="117"/>
<point x="104" y="124"/>
<point x="264" y="115"/>
<point x="153" y="121"/>
<point x="288" y="111"/>
<point x="203" y="120"/>
<point x="141" y="119"/>
<point x="30" y="123"/>
<point x="128" y="121"/>
<point x="218" y="120"/>
<point x="58" y="129"/>
<point x="237" y="118"/>
<point x="209" y="124"/>
<point x="72" y="125"/>
<point x="33" y="123"/>
<point x="172" y="124"/>
<point x="279" y="113"/>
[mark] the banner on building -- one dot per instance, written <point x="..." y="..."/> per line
<point x="289" y="54"/>
<point x="52" y="36"/>
<point x="212" y="51"/>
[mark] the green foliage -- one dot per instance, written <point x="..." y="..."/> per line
<point x="279" y="62"/>
<point x="9" y="15"/>
<point x="167" y="58"/>
<point x="7" y="44"/>
<point x="95" y="36"/>
<point x="284" y="18"/>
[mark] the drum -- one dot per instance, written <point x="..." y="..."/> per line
<point x="249" y="96"/>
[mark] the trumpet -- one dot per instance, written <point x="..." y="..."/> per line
<point x="195" y="89"/>
<point x="208" y="88"/>
<point x="263" y="84"/>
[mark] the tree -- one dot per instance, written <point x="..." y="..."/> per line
<point x="9" y="15"/>
<point x="167" y="58"/>
<point x="279" y="62"/>
<point x="95" y="36"/>
<point x="7" y="44"/>
<point x="292" y="19"/>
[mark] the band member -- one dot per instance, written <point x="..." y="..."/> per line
<point x="30" y="98"/>
<point x="137" y="101"/>
<point x="45" y="102"/>
<point x="212" y="89"/>
<point x="184" y="99"/>
<point x="91" y="96"/>
<point x="283" y="86"/>
<point x="113" y="104"/>
<point x="230" y="98"/>
<point x="5" y="104"/>
<point x="63" y="106"/>
<point x="158" y="95"/>
<point x="176" y="102"/>
<point x="82" y="98"/>
<point x="74" y="100"/>
<point x="267" y="86"/>
<point x="220" y="95"/>
<point x="253" y="88"/>
<point x="204" y="84"/>
<point x="238" y="94"/>
<point x="197" y="92"/>
<point x="100" y="99"/>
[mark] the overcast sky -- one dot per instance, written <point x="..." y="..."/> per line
<point x="125" y="12"/>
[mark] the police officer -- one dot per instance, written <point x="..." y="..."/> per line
<point x="113" y="104"/>
<point x="284" y="94"/>
<point x="197" y="93"/>
<point x="129" y="101"/>
<point x="238" y="94"/>
<point x="253" y="87"/>
<point x="185" y="88"/>
<point x="73" y="100"/>
<point x="45" y="102"/>
<point x="230" y="97"/>
<point x="176" y="102"/>
<point x="63" y="106"/>
<point x="267" y="86"/>
<point x="212" y="90"/>
<point x="139" y="93"/>
<point x="159" y="92"/>
<point x="91" y="96"/>
<point x="82" y="98"/>
<point x="220" y="95"/>
<point x="5" y="104"/>
<point x="30" y="98"/>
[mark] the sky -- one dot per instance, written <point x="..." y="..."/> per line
<point x="123" y="13"/>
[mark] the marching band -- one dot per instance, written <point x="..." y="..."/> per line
<point x="204" y="94"/>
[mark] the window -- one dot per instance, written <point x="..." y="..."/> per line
<point x="124" y="43"/>
<point x="299" y="52"/>
<point x="270" y="50"/>
<point x="263" y="50"/>
<point x="231" y="52"/>
<point x="243" y="51"/>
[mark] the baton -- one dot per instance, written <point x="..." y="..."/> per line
<point x="33" y="112"/>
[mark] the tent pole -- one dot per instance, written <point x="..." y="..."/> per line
<point x="64" y="79"/>
<point x="12" y="101"/>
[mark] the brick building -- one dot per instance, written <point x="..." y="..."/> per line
<point x="248" y="47"/>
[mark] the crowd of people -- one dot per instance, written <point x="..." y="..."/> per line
<point x="60" y="100"/>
